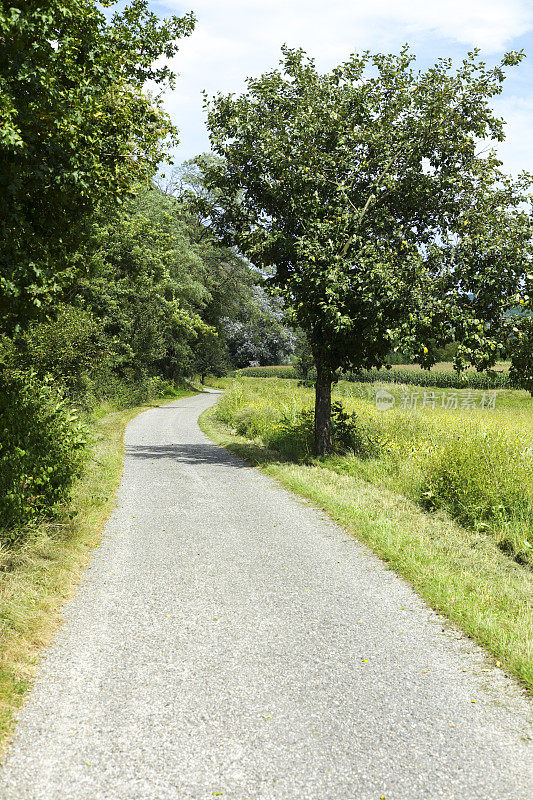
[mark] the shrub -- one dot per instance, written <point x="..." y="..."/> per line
<point x="350" y="434"/>
<point x="124" y="391"/>
<point x="41" y="451"/>
<point x="484" y="481"/>
<point x="67" y="348"/>
<point x="254" y="422"/>
<point x="293" y="437"/>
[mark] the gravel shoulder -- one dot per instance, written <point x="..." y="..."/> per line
<point x="229" y="640"/>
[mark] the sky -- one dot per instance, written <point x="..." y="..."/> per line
<point x="234" y="39"/>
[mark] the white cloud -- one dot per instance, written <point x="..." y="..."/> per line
<point x="237" y="38"/>
<point x="516" y="152"/>
<point x="489" y="24"/>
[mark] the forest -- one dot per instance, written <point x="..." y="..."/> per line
<point x="113" y="288"/>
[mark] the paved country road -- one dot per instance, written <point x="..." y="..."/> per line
<point x="229" y="641"/>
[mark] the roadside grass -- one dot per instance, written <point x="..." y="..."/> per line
<point x="471" y="573"/>
<point x="38" y="575"/>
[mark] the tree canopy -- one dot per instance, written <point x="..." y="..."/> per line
<point x="366" y="193"/>
<point x="76" y="129"/>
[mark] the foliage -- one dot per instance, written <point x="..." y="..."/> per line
<point x="163" y="293"/>
<point x="231" y="281"/>
<point x="41" y="451"/>
<point x="76" y="129"/>
<point x="65" y="348"/>
<point x="292" y="438"/>
<point x="363" y="191"/>
<point x="209" y="354"/>
<point x="521" y="351"/>
<point x="262" y="337"/>
<point x="142" y="279"/>
<point x="351" y="435"/>
<point x="304" y="363"/>
<point x="148" y="304"/>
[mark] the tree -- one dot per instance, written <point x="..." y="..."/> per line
<point x="209" y="354"/>
<point x="76" y="129"/>
<point x="230" y="278"/>
<point x="261" y="334"/>
<point x="142" y="278"/>
<point x="364" y="191"/>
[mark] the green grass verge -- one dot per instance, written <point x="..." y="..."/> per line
<point x="460" y="573"/>
<point x="39" y="575"/>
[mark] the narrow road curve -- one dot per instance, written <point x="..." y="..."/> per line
<point x="228" y="640"/>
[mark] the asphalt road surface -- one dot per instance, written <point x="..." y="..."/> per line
<point x="229" y="641"/>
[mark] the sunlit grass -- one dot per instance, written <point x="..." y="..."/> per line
<point x="460" y="572"/>
<point x="476" y="463"/>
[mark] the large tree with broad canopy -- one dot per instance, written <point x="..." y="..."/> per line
<point x="369" y="195"/>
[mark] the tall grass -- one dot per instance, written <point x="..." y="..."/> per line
<point x="475" y="465"/>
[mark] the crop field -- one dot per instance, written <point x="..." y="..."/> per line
<point x="447" y="366"/>
<point x="442" y="375"/>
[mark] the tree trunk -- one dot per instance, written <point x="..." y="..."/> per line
<point x="323" y="411"/>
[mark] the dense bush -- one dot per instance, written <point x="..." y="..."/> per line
<point x="124" y="391"/>
<point x="41" y="451"/>
<point x="293" y="437"/>
<point x="68" y="348"/>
